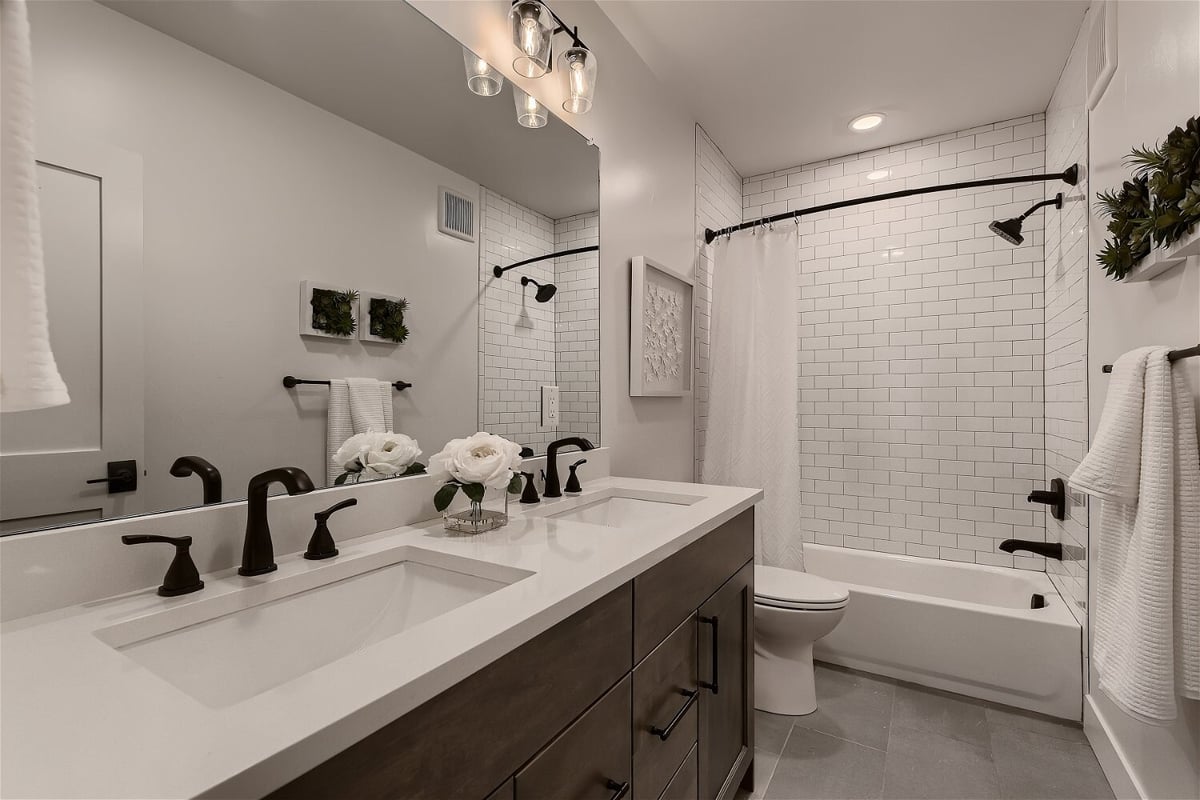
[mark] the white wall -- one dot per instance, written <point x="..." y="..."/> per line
<point x="1155" y="88"/>
<point x="920" y="354"/>
<point x="647" y="175"/>
<point x="249" y="190"/>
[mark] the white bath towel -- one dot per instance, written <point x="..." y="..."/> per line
<point x="356" y="405"/>
<point x="29" y="376"/>
<point x="1134" y="469"/>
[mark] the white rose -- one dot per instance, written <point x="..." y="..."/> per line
<point x="377" y="454"/>
<point x="483" y="458"/>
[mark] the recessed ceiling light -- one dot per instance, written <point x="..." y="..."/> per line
<point x="866" y="122"/>
<point x="878" y="174"/>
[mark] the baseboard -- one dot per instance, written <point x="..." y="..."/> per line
<point x="1109" y="754"/>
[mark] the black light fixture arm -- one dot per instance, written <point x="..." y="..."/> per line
<point x="562" y="26"/>
<point x="1069" y="175"/>
<point x="499" y="271"/>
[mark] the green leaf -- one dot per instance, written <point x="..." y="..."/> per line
<point x="514" y="486"/>
<point x="415" y="468"/>
<point x="475" y="491"/>
<point x="441" y="500"/>
<point x="341" y="479"/>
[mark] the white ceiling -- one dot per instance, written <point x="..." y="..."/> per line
<point x="384" y="66"/>
<point x="776" y="83"/>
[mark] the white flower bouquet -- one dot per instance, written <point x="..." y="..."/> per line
<point x="370" y="456"/>
<point x="475" y="464"/>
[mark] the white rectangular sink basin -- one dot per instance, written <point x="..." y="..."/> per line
<point x="618" y="508"/>
<point x="234" y="646"/>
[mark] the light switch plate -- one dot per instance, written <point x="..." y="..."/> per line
<point x="549" y="406"/>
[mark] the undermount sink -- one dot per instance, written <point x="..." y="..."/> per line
<point x="232" y="647"/>
<point x="615" y="508"/>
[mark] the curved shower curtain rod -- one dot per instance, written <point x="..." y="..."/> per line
<point x="1069" y="175"/>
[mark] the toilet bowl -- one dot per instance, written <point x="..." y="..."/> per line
<point x="791" y="611"/>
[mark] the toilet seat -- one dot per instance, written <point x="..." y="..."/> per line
<point x="800" y="591"/>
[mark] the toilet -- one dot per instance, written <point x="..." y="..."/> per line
<point x="791" y="611"/>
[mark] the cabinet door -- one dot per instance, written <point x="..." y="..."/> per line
<point x="727" y="673"/>
<point x="665" y="695"/>
<point x="590" y="760"/>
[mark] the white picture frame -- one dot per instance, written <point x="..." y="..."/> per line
<point x="661" y="319"/>
<point x="306" y="318"/>
<point x="364" y="322"/>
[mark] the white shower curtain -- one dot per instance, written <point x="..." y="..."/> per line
<point x="753" y="422"/>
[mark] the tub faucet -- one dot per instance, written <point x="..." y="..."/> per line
<point x="552" y="488"/>
<point x="258" y="554"/>
<point x="1047" y="549"/>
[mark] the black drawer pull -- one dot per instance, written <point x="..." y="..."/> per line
<point x="665" y="733"/>
<point x="716" y="636"/>
<point x="619" y="789"/>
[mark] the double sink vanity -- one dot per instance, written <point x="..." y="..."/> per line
<point x="599" y="645"/>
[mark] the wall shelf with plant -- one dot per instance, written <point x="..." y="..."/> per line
<point x="328" y="310"/>
<point x="384" y="319"/>
<point x="1154" y="218"/>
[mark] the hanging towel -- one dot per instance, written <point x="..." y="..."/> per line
<point x="753" y="413"/>
<point x="1132" y="468"/>
<point x="29" y="376"/>
<point x="356" y="405"/>
<point x="1187" y="540"/>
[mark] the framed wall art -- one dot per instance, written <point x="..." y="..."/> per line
<point x="660" y="331"/>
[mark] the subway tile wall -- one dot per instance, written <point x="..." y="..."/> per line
<point x="718" y="204"/>
<point x="921" y="347"/>
<point x="1067" y="260"/>
<point x="577" y="327"/>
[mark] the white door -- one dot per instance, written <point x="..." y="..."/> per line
<point x="90" y="200"/>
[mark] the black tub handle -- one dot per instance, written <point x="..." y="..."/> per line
<point x="716" y="635"/>
<point x="665" y="733"/>
<point x="619" y="790"/>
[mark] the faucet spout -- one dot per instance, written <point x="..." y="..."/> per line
<point x="552" y="485"/>
<point x="210" y="476"/>
<point x="258" y="553"/>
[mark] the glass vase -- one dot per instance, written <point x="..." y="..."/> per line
<point x="480" y="516"/>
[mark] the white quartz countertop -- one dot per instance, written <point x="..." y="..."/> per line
<point x="82" y="719"/>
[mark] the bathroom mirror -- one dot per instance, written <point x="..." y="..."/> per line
<point x="227" y="188"/>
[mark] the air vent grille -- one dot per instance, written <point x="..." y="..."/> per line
<point x="456" y="215"/>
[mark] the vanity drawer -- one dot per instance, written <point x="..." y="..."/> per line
<point x="589" y="760"/>
<point x="670" y="591"/>
<point x="686" y="783"/>
<point x="665" y="703"/>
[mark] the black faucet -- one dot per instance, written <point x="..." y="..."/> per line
<point x="210" y="476"/>
<point x="552" y="489"/>
<point x="1047" y="549"/>
<point x="258" y="554"/>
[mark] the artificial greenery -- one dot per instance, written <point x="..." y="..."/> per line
<point x="333" y="311"/>
<point x="352" y="475"/>
<point x="386" y="319"/>
<point x="1159" y="206"/>
<point x="473" y="491"/>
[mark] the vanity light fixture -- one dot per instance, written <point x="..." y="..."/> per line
<point x="482" y="78"/>
<point x="534" y="26"/>
<point x="866" y="122"/>
<point x="530" y="113"/>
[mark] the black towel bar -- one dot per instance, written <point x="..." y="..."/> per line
<point x="1173" y="356"/>
<point x="290" y="382"/>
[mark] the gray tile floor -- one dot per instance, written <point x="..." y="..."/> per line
<point x="873" y="737"/>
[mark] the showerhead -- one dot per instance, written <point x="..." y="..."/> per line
<point x="545" y="290"/>
<point x="1010" y="229"/>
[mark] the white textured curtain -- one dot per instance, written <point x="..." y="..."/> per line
<point x="753" y="422"/>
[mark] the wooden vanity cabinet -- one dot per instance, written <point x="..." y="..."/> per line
<point x="646" y="693"/>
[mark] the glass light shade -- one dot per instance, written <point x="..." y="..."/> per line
<point x="482" y="78"/>
<point x="533" y="33"/>
<point x="578" y="64"/>
<point x="530" y="113"/>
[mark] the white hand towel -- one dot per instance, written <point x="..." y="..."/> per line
<point x="28" y="373"/>
<point x="338" y="427"/>
<point x="1133" y="645"/>
<point x="356" y="405"/>
<point x="1187" y="541"/>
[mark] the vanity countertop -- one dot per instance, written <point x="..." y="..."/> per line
<point x="82" y="719"/>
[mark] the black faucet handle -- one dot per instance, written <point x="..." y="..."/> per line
<point x="573" y="486"/>
<point x="322" y="516"/>
<point x="530" y="495"/>
<point x="182" y="576"/>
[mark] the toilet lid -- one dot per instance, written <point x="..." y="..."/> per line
<point x="787" y="588"/>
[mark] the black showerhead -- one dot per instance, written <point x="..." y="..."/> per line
<point x="545" y="290"/>
<point x="1010" y="229"/>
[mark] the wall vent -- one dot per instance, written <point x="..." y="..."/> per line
<point x="456" y="214"/>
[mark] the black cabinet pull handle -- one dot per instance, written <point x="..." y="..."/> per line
<point x="665" y="733"/>
<point x="715" y="622"/>
<point x="619" y="789"/>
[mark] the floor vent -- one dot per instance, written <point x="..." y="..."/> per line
<point x="456" y="215"/>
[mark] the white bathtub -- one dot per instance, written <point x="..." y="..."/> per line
<point x="960" y="627"/>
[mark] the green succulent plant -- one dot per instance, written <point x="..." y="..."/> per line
<point x="1172" y="170"/>
<point x="1130" y="227"/>
<point x="333" y="311"/>
<point x="385" y="319"/>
